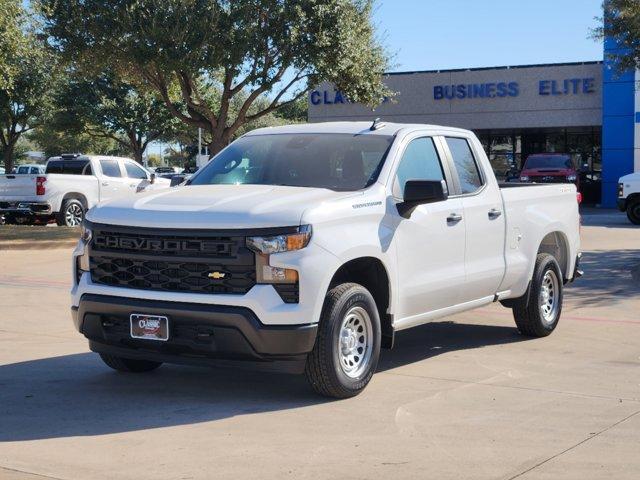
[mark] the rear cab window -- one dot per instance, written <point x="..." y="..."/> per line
<point x="69" y="167"/>
<point x="465" y="164"/>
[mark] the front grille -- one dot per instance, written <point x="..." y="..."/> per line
<point x="551" y="179"/>
<point x="172" y="260"/>
<point x="171" y="276"/>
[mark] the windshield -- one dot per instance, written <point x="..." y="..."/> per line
<point x="335" y="161"/>
<point x="549" y="161"/>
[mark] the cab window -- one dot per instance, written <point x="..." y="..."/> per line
<point x="468" y="172"/>
<point x="420" y="161"/>
<point x="134" y="171"/>
<point x="110" y="168"/>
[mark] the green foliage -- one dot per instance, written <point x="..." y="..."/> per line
<point x="220" y="65"/>
<point x="11" y="39"/>
<point x="55" y="140"/>
<point x="106" y="107"/>
<point x="621" y="21"/>
<point x="25" y="100"/>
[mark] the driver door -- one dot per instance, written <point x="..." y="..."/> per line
<point x="431" y="242"/>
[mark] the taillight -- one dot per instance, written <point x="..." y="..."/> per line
<point x="40" y="189"/>
<point x="579" y="195"/>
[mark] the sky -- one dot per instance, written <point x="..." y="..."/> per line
<point x="443" y="34"/>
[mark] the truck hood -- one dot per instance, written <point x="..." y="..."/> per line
<point x="632" y="177"/>
<point x="214" y="206"/>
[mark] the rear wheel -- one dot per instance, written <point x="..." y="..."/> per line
<point x="71" y="214"/>
<point x="128" y="364"/>
<point x="538" y="314"/>
<point x="347" y="347"/>
<point x="633" y="211"/>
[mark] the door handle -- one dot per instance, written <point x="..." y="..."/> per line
<point x="454" y="218"/>
<point x="105" y="184"/>
<point x="494" y="213"/>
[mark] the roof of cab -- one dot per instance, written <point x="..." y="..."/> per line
<point x="353" y="128"/>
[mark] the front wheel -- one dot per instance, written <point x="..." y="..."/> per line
<point x="633" y="212"/>
<point x="347" y="347"/>
<point x="538" y="313"/>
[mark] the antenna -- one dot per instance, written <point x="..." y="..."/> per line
<point x="376" y="124"/>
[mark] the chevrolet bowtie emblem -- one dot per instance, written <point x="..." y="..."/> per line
<point x="217" y="275"/>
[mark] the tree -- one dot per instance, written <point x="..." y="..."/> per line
<point x="11" y="20"/>
<point x="106" y="107"/>
<point x="54" y="139"/>
<point x="273" y="50"/>
<point x="25" y="100"/>
<point x="621" y="22"/>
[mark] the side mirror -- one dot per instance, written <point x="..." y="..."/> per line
<point x="420" y="192"/>
<point x="152" y="178"/>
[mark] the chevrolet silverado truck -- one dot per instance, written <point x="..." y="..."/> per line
<point x="629" y="196"/>
<point x="307" y="247"/>
<point x="69" y="186"/>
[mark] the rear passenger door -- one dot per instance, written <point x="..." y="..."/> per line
<point x="112" y="182"/>
<point x="484" y="220"/>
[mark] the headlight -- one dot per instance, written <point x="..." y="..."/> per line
<point x="281" y="243"/>
<point x="571" y="178"/>
<point x="86" y="234"/>
<point x="524" y="178"/>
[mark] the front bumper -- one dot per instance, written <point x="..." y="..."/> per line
<point x="25" y="208"/>
<point x="198" y="334"/>
<point x="621" y="203"/>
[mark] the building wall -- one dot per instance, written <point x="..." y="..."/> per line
<point x="618" y="125"/>
<point x="566" y="95"/>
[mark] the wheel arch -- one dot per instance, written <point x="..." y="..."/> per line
<point x="75" y="196"/>
<point x="372" y="274"/>
<point x="556" y="244"/>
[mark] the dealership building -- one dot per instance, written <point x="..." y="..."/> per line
<point x="585" y="109"/>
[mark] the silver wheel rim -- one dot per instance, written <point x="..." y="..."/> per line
<point x="73" y="215"/>
<point x="548" y="298"/>
<point x="355" y="342"/>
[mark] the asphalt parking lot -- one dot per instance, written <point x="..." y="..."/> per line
<point x="466" y="397"/>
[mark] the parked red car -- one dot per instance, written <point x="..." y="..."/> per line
<point x="549" y="168"/>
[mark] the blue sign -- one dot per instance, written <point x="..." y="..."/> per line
<point x="476" y="90"/>
<point x="568" y="86"/>
<point x="328" y="98"/>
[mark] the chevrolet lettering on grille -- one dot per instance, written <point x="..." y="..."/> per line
<point x="158" y="245"/>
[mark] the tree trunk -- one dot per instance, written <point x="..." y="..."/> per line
<point x="137" y="155"/>
<point x="7" y="155"/>
<point x="216" y="145"/>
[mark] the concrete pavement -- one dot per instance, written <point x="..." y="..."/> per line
<point x="466" y="397"/>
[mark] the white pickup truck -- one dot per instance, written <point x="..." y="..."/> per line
<point x="629" y="196"/>
<point x="307" y="247"/>
<point x="70" y="186"/>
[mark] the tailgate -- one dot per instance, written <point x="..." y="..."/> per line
<point x="13" y="186"/>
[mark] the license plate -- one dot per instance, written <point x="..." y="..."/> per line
<point x="149" y="327"/>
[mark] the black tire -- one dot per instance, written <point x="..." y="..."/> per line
<point x="71" y="210"/>
<point x="324" y="368"/>
<point x="129" y="365"/>
<point x="633" y="211"/>
<point x="527" y="310"/>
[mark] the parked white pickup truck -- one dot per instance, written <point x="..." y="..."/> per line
<point x="629" y="196"/>
<point x="70" y="186"/>
<point x="309" y="246"/>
